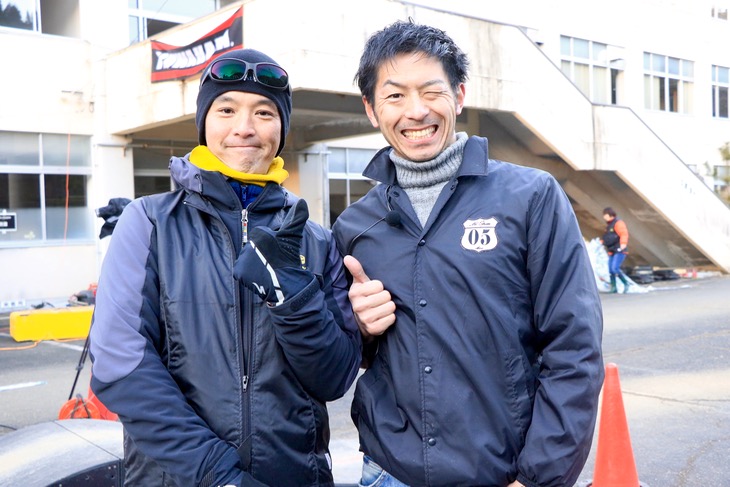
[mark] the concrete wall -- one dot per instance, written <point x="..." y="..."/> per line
<point x="47" y="273"/>
<point x="46" y="87"/>
<point x="52" y="84"/>
<point x="51" y="91"/>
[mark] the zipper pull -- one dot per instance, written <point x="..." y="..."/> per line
<point x="244" y="226"/>
<point x="244" y="382"/>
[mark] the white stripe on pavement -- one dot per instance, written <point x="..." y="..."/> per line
<point x="22" y="385"/>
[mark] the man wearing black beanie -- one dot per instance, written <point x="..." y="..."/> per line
<point x="210" y="91"/>
<point x="222" y="325"/>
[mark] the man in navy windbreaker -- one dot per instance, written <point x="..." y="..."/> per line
<point x="472" y="289"/>
<point x="222" y="325"/>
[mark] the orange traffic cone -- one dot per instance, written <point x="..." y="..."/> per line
<point x="615" y="466"/>
<point x="104" y="413"/>
<point x="78" y="408"/>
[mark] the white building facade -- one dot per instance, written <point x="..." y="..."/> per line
<point x="625" y="102"/>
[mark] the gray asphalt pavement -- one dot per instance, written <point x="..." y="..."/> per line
<point x="671" y="346"/>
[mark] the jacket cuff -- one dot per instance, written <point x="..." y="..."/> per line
<point x="299" y="300"/>
<point x="227" y="470"/>
<point x="525" y="481"/>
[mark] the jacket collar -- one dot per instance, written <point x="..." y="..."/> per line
<point x="214" y="187"/>
<point x="474" y="163"/>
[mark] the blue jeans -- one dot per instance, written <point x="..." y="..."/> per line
<point x="614" y="262"/>
<point x="373" y="475"/>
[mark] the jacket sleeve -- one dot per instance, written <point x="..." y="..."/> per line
<point x="568" y="322"/>
<point x="623" y="233"/>
<point x="129" y="375"/>
<point x="317" y="331"/>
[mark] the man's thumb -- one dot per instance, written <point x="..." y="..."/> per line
<point x="353" y="265"/>
<point x="295" y="219"/>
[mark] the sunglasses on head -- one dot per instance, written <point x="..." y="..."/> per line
<point x="267" y="74"/>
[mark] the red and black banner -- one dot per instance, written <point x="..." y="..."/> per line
<point x="177" y="62"/>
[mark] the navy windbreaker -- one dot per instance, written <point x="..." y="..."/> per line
<point x="493" y="367"/>
<point x="207" y="380"/>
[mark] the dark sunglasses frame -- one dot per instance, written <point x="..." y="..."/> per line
<point x="252" y="68"/>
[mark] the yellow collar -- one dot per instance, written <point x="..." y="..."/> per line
<point x="203" y="158"/>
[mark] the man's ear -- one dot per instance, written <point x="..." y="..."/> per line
<point x="460" y="95"/>
<point x="370" y="112"/>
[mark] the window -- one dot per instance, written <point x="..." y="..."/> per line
<point x="586" y="63"/>
<point x="43" y="181"/>
<point x="19" y="14"/>
<point x="151" y="172"/>
<point x="720" y="87"/>
<point x="719" y="12"/>
<point x="346" y="182"/>
<point x="151" y="183"/>
<point x="723" y="172"/>
<point x="150" y="17"/>
<point x="58" y="17"/>
<point x="668" y="83"/>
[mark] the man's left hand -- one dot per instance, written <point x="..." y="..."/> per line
<point x="270" y="265"/>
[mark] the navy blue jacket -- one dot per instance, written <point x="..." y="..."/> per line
<point x="493" y="367"/>
<point x="208" y="381"/>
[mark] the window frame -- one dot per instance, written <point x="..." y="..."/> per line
<point x="719" y="12"/>
<point x="42" y="171"/>
<point x="668" y="75"/>
<point x="35" y="13"/>
<point x="352" y="172"/>
<point x="141" y="16"/>
<point x="61" y="17"/>
<point x="717" y="86"/>
<point x="598" y="66"/>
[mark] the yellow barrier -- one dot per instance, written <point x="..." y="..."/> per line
<point x="51" y="324"/>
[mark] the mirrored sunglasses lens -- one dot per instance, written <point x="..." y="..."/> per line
<point x="272" y="75"/>
<point x="228" y="70"/>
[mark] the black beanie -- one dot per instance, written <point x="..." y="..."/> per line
<point x="212" y="89"/>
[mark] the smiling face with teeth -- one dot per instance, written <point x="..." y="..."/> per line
<point x="415" y="107"/>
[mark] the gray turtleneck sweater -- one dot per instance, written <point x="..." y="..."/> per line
<point x="423" y="181"/>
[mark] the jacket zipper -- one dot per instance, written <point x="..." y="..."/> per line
<point x="247" y="342"/>
<point x="246" y="329"/>
<point x="244" y="227"/>
<point x="244" y="448"/>
<point x="247" y="324"/>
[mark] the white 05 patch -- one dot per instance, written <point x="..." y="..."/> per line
<point x="480" y="235"/>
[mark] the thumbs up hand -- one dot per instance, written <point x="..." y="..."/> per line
<point x="270" y="265"/>
<point x="372" y="304"/>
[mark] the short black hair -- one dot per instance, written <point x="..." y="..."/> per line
<point x="609" y="211"/>
<point x="403" y="37"/>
